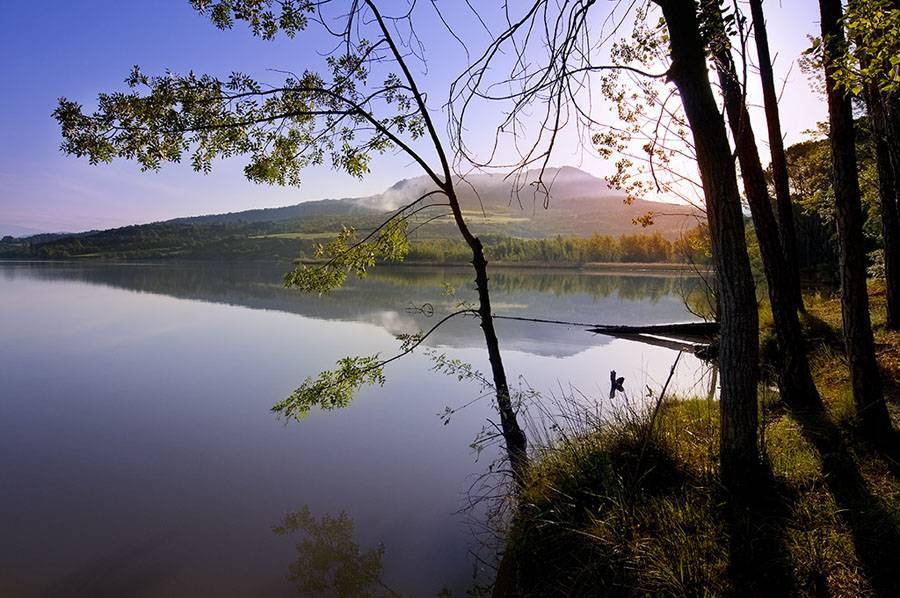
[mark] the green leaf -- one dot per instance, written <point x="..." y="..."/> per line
<point x="344" y="255"/>
<point x="332" y="389"/>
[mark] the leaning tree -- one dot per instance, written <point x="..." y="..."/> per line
<point x="780" y="177"/>
<point x="795" y="380"/>
<point x="366" y="102"/>
<point x="555" y="87"/>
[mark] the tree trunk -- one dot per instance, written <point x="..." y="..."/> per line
<point x="513" y="436"/>
<point x="892" y="140"/>
<point x="860" y="344"/>
<point x="795" y="380"/>
<point x="885" y="146"/>
<point x="782" y="186"/>
<point x="886" y="136"/>
<point x="739" y="338"/>
<point x="891" y="112"/>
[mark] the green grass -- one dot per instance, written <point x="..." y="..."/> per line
<point x="618" y="511"/>
<point x="598" y="519"/>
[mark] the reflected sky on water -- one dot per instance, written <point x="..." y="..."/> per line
<point x="140" y="456"/>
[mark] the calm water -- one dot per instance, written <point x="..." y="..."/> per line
<point x="139" y="455"/>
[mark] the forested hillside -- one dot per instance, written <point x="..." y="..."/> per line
<point x="580" y="206"/>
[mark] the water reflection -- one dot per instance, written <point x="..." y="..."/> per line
<point x="135" y="406"/>
<point x="128" y="571"/>
<point x="384" y="298"/>
<point x="329" y="561"/>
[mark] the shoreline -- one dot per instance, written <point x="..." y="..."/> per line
<point x="622" y="267"/>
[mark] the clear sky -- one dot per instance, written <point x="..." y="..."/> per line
<point x="75" y="48"/>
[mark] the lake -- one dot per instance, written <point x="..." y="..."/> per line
<point x="140" y="455"/>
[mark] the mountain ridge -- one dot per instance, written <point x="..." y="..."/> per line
<point x="579" y="205"/>
<point x="404" y="191"/>
<point x="14" y="230"/>
<point x="494" y="191"/>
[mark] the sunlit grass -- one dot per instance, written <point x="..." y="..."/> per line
<point x="622" y="510"/>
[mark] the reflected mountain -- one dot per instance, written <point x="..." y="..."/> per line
<point x="389" y="296"/>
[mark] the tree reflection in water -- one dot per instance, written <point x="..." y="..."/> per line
<point x="329" y="561"/>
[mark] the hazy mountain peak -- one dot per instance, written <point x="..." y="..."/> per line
<point x="564" y="182"/>
<point x="14" y="230"/>
<point x="580" y="204"/>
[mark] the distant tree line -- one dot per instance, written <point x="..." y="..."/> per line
<point x="259" y="242"/>
<point x="637" y="248"/>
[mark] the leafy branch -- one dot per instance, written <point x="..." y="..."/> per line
<point x="387" y="242"/>
<point x="334" y="389"/>
<point x="366" y="103"/>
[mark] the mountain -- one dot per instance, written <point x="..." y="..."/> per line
<point x="579" y="204"/>
<point x="494" y="191"/>
<point x="307" y="209"/>
<point x="13" y="230"/>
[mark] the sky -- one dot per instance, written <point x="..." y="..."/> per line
<point x="76" y="48"/>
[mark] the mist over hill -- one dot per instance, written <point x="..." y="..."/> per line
<point x="579" y="205"/>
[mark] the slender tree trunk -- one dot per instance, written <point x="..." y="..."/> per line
<point x="891" y="104"/>
<point x="516" y="444"/>
<point x="795" y="380"/>
<point x="886" y="136"/>
<point x="888" y="195"/>
<point x="780" y="178"/>
<point x="739" y="336"/>
<point x="860" y="344"/>
<point x="892" y="142"/>
<point x="513" y="436"/>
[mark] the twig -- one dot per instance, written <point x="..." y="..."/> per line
<point x="652" y="422"/>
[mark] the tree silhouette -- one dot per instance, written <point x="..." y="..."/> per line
<point x="367" y="103"/>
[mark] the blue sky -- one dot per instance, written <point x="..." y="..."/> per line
<point x="75" y="48"/>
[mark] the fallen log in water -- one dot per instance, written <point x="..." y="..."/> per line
<point x="676" y="344"/>
<point x="689" y="336"/>
<point x="696" y="337"/>
<point x="685" y="330"/>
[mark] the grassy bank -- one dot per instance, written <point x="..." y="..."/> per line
<point x="624" y="510"/>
